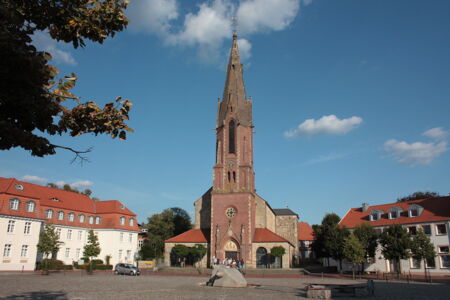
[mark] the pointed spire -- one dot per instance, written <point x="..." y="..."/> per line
<point x="234" y="98"/>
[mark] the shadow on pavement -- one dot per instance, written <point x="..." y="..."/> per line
<point x="42" y="295"/>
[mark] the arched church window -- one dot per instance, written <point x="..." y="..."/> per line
<point x="231" y="135"/>
<point x="234" y="176"/>
<point x="229" y="176"/>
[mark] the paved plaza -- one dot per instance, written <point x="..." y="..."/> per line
<point x="79" y="286"/>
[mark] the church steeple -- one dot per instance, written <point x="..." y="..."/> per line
<point x="233" y="171"/>
<point x="234" y="98"/>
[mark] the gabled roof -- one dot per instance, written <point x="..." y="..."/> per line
<point x="191" y="236"/>
<point x="264" y="235"/>
<point x="305" y="232"/>
<point x="434" y="210"/>
<point x="284" y="212"/>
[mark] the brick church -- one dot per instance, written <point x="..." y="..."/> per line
<point x="231" y="219"/>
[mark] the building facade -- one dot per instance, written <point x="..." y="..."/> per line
<point x="431" y="215"/>
<point x="231" y="219"/>
<point x="26" y="207"/>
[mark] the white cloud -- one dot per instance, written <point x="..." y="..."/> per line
<point x="81" y="184"/>
<point x="35" y="179"/>
<point x="43" y="42"/>
<point x="417" y="153"/>
<point x="324" y="158"/>
<point x="209" y="25"/>
<point x="60" y="183"/>
<point x="244" y="49"/>
<point x="331" y="125"/>
<point x="436" y="133"/>
<point x="266" y="15"/>
<point x="152" y="15"/>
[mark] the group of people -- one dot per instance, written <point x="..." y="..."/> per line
<point x="229" y="262"/>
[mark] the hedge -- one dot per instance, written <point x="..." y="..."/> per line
<point x="53" y="264"/>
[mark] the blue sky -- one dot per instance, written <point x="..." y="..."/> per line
<point x="351" y="103"/>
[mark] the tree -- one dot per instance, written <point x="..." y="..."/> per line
<point x="422" y="248"/>
<point x="418" y="195"/>
<point x="181" y="220"/>
<point x="395" y="243"/>
<point x="92" y="248"/>
<point x="48" y="243"/>
<point x="321" y="233"/>
<point x="36" y="104"/>
<point x="368" y="237"/>
<point x="353" y="251"/>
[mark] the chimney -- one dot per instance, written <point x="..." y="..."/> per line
<point x="365" y="206"/>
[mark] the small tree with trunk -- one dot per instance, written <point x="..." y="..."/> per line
<point x="277" y="251"/>
<point x="368" y="237"/>
<point x="422" y="248"/>
<point x="92" y="248"/>
<point x="48" y="244"/>
<point x="353" y="251"/>
<point x="395" y="242"/>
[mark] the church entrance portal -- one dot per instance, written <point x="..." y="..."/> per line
<point x="231" y="250"/>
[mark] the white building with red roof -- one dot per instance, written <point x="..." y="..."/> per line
<point x="432" y="215"/>
<point x="26" y="207"/>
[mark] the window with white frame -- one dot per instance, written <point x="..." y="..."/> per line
<point x="11" y="225"/>
<point x="120" y="254"/>
<point x="375" y="215"/>
<point x="67" y="252"/>
<point x="7" y="250"/>
<point x="80" y="234"/>
<point x="414" y="210"/>
<point x="141" y="243"/>
<point x="414" y="263"/>
<point x="130" y="237"/>
<point x="69" y="234"/>
<point x="441" y="229"/>
<point x="122" y="220"/>
<point x="77" y="253"/>
<point x="14" y="204"/>
<point x="394" y="212"/>
<point x="61" y="215"/>
<point x="49" y="213"/>
<point x="30" y="206"/>
<point x="444" y="256"/>
<point x="71" y="217"/>
<point x="131" y="222"/>
<point x="97" y="220"/>
<point x="81" y="218"/>
<point x="128" y="254"/>
<point x="91" y="219"/>
<point x="27" y="228"/>
<point x="121" y="236"/>
<point x="24" y="251"/>
<point x="58" y="232"/>
<point x="426" y="229"/>
<point x="430" y="263"/>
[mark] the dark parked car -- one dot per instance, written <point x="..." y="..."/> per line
<point x="127" y="269"/>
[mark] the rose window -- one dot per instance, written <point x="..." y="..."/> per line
<point x="230" y="212"/>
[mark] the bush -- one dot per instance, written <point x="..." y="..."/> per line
<point x="97" y="262"/>
<point x="94" y="267"/>
<point x="52" y="264"/>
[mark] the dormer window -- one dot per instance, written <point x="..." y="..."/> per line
<point x="81" y="218"/>
<point x="122" y="220"/>
<point x="54" y="199"/>
<point x="18" y="187"/>
<point x="375" y="215"/>
<point x="91" y="220"/>
<point x="14" y="204"/>
<point x="71" y="217"/>
<point x="131" y="222"/>
<point x="414" y="210"/>
<point x="49" y="213"/>
<point x="97" y="220"/>
<point x="61" y="215"/>
<point x="394" y="212"/>
<point x="30" y="206"/>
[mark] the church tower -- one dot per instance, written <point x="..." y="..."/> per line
<point x="233" y="192"/>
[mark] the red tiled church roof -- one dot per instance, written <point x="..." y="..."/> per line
<point x="191" y="236"/>
<point x="434" y="210"/>
<point x="305" y="232"/>
<point x="264" y="235"/>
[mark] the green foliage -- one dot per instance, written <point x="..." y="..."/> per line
<point x="108" y="259"/>
<point x="368" y="237"/>
<point x="87" y="266"/>
<point x="277" y="251"/>
<point x="395" y="242"/>
<point x="48" y="241"/>
<point x="52" y="264"/>
<point x="421" y="246"/>
<point x="353" y="249"/>
<point x="418" y="195"/>
<point x="193" y="254"/>
<point x="32" y="98"/>
<point x="330" y="219"/>
<point x="162" y="226"/>
<point x="92" y="248"/>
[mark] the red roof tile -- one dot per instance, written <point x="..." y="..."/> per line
<point x="264" y="235"/>
<point x="434" y="210"/>
<point x="305" y="232"/>
<point x="191" y="236"/>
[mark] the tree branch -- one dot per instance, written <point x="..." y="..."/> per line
<point x="78" y="154"/>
